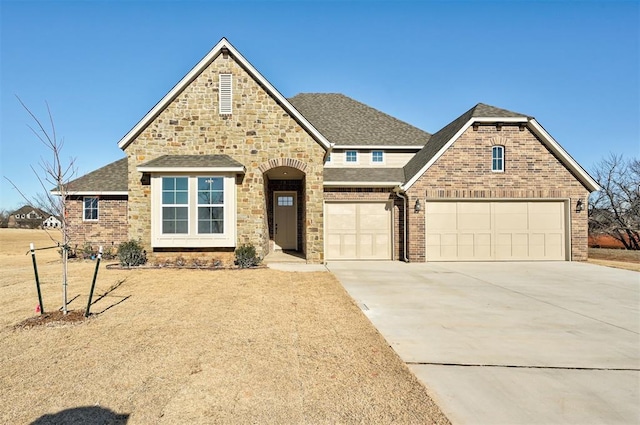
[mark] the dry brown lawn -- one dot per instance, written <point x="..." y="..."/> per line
<point x="194" y="346"/>
<point x="618" y="258"/>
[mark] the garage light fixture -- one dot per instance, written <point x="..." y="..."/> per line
<point x="579" y="205"/>
<point x="418" y="206"/>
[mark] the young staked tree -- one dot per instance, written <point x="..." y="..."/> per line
<point x="52" y="173"/>
<point x="615" y="209"/>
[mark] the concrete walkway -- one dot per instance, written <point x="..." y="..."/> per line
<point x="511" y="343"/>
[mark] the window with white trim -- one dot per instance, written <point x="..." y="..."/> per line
<point x="210" y="205"/>
<point x="351" y="156"/>
<point x="225" y="94"/>
<point x="175" y="205"/>
<point x="193" y="210"/>
<point x="90" y="208"/>
<point x="377" y="157"/>
<point x="497" y="159"/>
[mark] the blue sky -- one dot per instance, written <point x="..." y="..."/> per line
<point x="101" y="66"/>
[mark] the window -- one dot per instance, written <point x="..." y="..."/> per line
<point x="175" y="208"/>
<point x="90" y="208"/>
<point x="210" y="205"/>
<point x="351" y="156"/>
<point x="193" y="211"/>
<point x="377" y="157"/>
<point x="328" y="159"/>
<point x="285" y="201"/>
<point x="497" y="159"/>
<point x="225" y="94"/>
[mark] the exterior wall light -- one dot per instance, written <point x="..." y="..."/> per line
<point x="418" y="206"/>
<point x="579" y="205"/>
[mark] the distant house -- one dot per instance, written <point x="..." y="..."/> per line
<point x="52" y="222"/>
<point x="223" y="159"/>
<point x="27" y="217"/>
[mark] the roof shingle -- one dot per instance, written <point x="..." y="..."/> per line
<point x="364" y="175"/>
<point x="110" y="178"/>
<point x="347" y="122"/>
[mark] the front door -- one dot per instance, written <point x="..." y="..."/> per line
<point x="285" y="220"/>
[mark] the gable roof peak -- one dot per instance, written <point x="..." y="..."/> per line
<point x="488" y="111"/>
<point x="222" y="47"/>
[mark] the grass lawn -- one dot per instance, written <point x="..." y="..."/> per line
<point x="619" y="258"/>
<point x="194" y="346"/>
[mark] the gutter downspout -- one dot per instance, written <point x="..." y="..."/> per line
<point x="399" y="192"/>
<point x="328" y="152"/>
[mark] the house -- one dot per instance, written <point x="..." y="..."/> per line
<point x="223" y="159"/>
<point x="26" y="217"/>
<point x="51" y="222"/>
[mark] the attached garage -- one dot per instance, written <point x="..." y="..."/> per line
<point x="496" y="231"/>
<point x="358" y="230"/>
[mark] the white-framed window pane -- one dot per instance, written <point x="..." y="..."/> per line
<point x="210" y="205"/>
<point x="90" y="208"/>
<point x="175" y="220"/>
<point x="497" y="158"/>
<point x="175" y="191"/>
<point x="352" y="156"/>
<point x="210" y="220"/>
<point x="377" y="156"/>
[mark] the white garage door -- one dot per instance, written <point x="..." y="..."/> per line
<point x="358" y="231"/>
<point x="486" y="231"/>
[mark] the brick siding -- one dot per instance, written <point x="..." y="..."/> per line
<point x="531" y="172"/>
<point x="109" y="230"/>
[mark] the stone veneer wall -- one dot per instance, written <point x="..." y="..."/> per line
<point x="375" y="194"/>
<point x="110" y="229"/>
<point x="531" y="172"/>
<point x="258" y="131"/>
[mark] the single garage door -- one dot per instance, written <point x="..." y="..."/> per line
<point x="486" y="231"/>
<point x="358" y="231"/>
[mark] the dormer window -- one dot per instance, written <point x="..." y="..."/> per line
<point x="497" y="159"/>
<point x="351" y="157"/>
<point x="225" y="94"/>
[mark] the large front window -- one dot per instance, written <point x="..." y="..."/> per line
<point x="193" y="211"/>
<point x="210" y="205"/>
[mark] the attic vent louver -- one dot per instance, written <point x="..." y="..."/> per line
<point x="225" y="94"/>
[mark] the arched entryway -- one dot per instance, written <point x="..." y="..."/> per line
<point x="284" y="181"/>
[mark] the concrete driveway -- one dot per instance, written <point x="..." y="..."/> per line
<point x="511" y="343"/>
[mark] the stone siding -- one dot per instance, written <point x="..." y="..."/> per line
<point x="531" y="172"/>
<point x="109" y="230"/>
<point x="259" y="130"/>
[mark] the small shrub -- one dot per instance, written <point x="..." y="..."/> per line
<point x="216" y="263"/>
<point x="198" y="263"/>
<point x="131" y="254"/>
<point x="108" y="253"/>
<point x="88" y="252"/>
<point x="246" y="256"/>
<point x="180" y="261"/>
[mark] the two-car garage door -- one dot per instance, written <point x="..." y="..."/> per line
<point x="357" y="230"/>
<point x="486" y="231"/>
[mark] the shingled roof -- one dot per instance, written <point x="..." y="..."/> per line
<point x="110" y="178"/>
<point x="347" y="122"/>
<point x="442" y="137"/>
<point x="192" y="161"/>
<point x="392" y="176"/>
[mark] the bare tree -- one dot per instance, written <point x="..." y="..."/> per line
<point x="52" y="173"/>
<point x="615" y="209"/>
